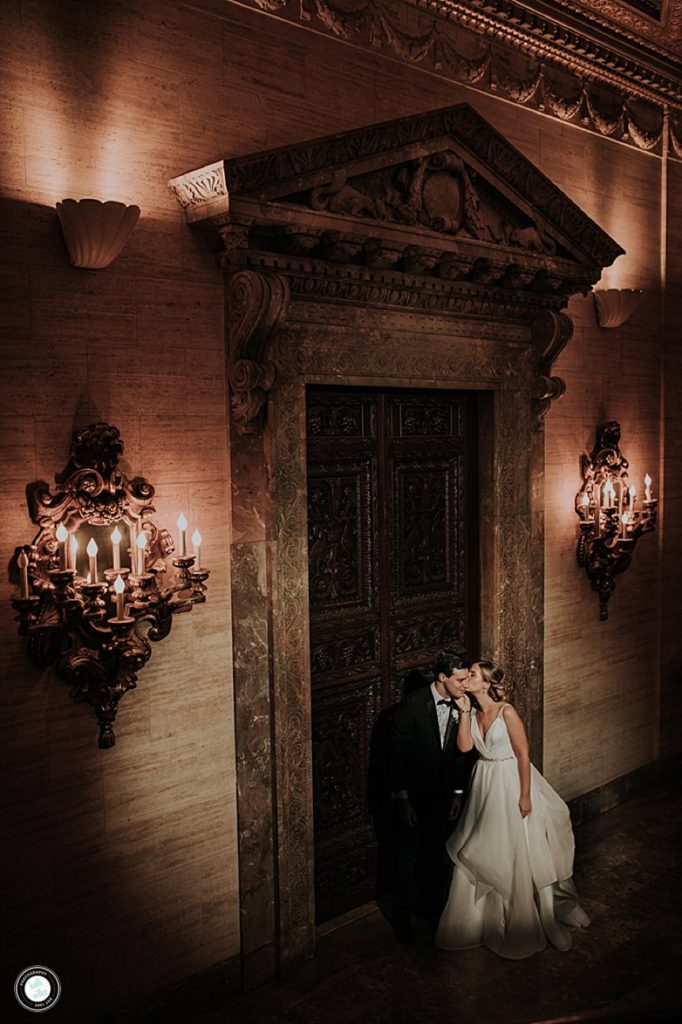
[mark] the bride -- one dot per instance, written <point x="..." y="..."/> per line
<point x="512" y="850"/>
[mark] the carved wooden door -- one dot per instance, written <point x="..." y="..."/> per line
<point x="391" y="546"/>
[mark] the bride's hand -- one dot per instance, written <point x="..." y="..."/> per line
<point x="463" y="703"/>
<point x="525" y="806"/>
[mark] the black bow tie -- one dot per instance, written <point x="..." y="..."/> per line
<point x="450" y="703"/>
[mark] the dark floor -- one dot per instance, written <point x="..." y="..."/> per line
<point x="627" y="964"/>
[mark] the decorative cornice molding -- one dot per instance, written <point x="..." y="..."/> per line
<point x="620" y="17"/>
<point x="436" y="213"/>
<point x="480" y="43"/>
<point x="603" y="47"/>
<point x="318" y="280"/>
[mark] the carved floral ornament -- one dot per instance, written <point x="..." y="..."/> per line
<point x="594" y="69"/>
<point x="435" y="213"/>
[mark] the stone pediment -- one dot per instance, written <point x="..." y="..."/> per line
<point x="441" y="195"/>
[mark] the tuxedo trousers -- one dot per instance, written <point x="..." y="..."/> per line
<point x="422" y="869"/>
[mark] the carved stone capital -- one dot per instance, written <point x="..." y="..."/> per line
<point x="256" y="303"/>
<point x="202" y="192"/>
<point x="551" y="332"/>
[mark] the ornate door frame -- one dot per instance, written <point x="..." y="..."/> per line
<point x="423" y="253"/>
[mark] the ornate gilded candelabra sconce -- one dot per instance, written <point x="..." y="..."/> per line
<point x="95" y="627"/>
<point x="612" y="516"/>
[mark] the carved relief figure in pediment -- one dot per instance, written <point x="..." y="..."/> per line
<point x="437" y="191"/>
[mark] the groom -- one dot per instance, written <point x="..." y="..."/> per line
<point x="429" y="776"/>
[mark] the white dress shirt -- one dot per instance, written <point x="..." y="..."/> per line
<point x="444" y="712"/>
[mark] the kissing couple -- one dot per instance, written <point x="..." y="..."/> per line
<point x="484" y="845"/>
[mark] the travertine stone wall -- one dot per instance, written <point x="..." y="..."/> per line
<point x="123" y="873"/>
<point x="124" y="862"/>
<point x="602" y="678"/>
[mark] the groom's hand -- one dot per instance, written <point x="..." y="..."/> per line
<point x="455" y="808"/>
<point x="407" y="813"/>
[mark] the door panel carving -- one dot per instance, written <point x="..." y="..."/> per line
<point x="422" y="528"/>
<point x="391" y="507"/>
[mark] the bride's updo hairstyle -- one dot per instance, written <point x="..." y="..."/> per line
<point x="493" y="674"/>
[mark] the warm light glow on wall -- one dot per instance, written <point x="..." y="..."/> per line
<point x="607" y="186"/>
<point x="628" y="271"/>
<point x="91" y="149"/>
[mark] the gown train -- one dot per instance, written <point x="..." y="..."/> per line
<point x="512" y="887"/>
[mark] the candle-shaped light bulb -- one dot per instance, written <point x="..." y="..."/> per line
<point x="585" y="503"/>
<point x="182" y="539"/>
<point x="116" y="539"/>
<point x="609" y="494"/>
<point x="92" y="559"/>
<point x="196" y="541"/>
<point x="119" y="587"/>
<point x="632" y="491"/>
<point x="625" y="519"/>
<point x="141" y="544"/>
<point x="22" y="562"/>
<point x="62" y="536"/>
<point x="647" y="487"/>
<point x="73" y="548"/>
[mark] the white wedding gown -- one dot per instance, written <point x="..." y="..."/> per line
<point x="511" y="886"/>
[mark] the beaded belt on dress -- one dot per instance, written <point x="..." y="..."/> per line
<point x="510" y="758"/>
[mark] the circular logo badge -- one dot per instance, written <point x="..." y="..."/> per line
<point x="37" y="989"/>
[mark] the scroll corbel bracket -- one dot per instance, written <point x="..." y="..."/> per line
<point x="249" y="383"/>
<point x="551" y="332"/>
<point x="256" y="304"/>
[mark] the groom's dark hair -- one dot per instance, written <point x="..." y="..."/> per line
<point x="448" y="662"/>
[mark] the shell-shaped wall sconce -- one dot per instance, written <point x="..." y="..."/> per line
<point x="614" y="306"/>
<point x="95" y="232"/>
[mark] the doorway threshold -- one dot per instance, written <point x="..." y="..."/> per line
<point x="345" y="919"/>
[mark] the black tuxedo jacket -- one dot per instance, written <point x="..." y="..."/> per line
<point x="428" y="772"/>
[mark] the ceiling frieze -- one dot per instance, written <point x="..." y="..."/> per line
<point x="564" y="59"/>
